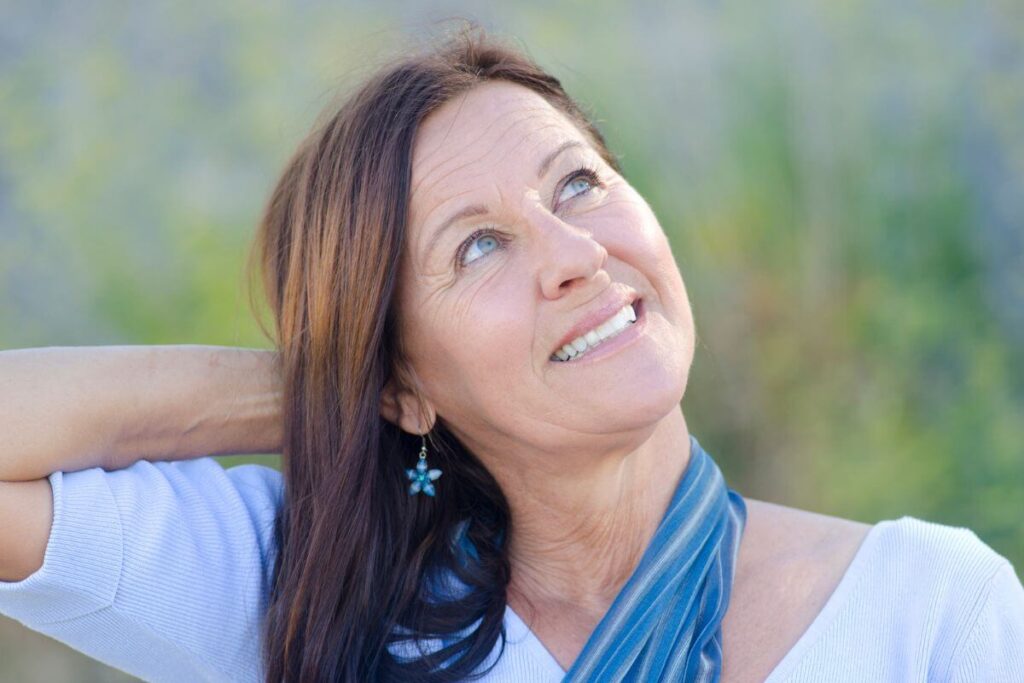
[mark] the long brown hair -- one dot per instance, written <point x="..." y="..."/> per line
<point x="355" y="553"/>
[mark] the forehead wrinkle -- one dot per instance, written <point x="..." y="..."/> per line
<point x="542" y="109"/>
<point x="440" y="146"/>
<point x="422" y="236"/>
<point x="430" y="183"/>
<point x="491" y="124"/>
<point x="460" y="102"/>
<point x="489" y="151"/>
<point x="444" y="202"/>
<point x="541" y="142"/>
<point x="545" y="143"/>
<point x="534" y="131"/>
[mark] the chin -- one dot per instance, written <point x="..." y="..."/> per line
<point x="650" y="397"/>
<point x="657" y="399"/>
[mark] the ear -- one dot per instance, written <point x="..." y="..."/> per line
<point x="406" y="410"/>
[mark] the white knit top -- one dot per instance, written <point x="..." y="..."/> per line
<point x="162" y="570"/>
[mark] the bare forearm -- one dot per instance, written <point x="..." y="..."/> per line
<point x="70" y="408"/>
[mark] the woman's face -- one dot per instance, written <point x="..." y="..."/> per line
<point x="547" y="243"/>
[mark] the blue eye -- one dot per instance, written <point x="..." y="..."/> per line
<point x="473" y="250"/>
<point x="581" y="184"/>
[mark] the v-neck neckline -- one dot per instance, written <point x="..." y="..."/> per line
<point x="839" y="597"/>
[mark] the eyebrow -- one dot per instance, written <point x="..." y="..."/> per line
<point x="480" y="209"/>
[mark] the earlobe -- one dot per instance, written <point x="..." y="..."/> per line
<point x="406" y="411"/>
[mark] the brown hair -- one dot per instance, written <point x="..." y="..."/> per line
<point x="354" y="551"/>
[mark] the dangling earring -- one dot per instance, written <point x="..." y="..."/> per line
<point x="422" y="477"/>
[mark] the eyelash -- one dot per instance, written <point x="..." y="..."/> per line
<point x="587" y="172"/>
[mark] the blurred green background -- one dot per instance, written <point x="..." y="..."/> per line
<point x="843" y="184"/>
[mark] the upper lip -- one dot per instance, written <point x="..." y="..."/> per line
<point x="611" y="302"/>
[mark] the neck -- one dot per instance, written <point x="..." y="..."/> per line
<point x="579" y="537"/>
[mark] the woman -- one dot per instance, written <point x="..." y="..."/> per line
<point x="483" y="344"/>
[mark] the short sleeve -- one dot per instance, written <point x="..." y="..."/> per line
<point x="993" y="648"/>
<point x="161" y="569"/>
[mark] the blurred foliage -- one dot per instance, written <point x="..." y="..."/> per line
<point x="843" y="184"/>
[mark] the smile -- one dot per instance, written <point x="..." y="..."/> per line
<point x="615" y="325"/>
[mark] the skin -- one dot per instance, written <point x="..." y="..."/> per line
<point x="588" y="455"/>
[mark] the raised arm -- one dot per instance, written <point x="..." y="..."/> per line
<point x="161" y="569"/>
<point x="72" y="408"/>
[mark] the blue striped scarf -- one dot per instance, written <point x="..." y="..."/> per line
<point x="665" y="623"/>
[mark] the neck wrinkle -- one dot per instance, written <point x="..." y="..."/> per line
<point x="575" y="551"/>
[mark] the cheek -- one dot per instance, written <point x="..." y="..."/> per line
<point x="628" y="225"/>
<point x="650" y="237"/>
<point x="647" y="247"/>
<point x="479" y="342"/>
<point x="498" y="329"/>
<point x="651" y="232"/>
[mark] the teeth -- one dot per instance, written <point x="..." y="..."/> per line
<point x="578" y="346"/>
<point x="605" y="329"/>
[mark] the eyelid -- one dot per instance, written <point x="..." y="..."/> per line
<point x="475" y="235"/>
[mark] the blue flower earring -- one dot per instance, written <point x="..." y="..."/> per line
<point x="421" y="477"/>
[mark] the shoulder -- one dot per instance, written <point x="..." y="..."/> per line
<point x="810" y="587"/>
<point x="779" y="541"/>
<point x="199" y="494"/>
<point x="908" y="564"/>
<point x="990" y="647"/>
<point x="935" y="583"/>
<point x="258" y="485"/>
<point x="789" y="562"/>
<point x="926" y="586"/>
<point x="785" y="536"/>
<point x="250" y="491"/>
<point x="931" y="566"/>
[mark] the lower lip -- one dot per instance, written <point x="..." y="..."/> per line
<point x="613" y="345"/>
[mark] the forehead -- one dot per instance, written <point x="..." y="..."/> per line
<point x="494" y="130"/>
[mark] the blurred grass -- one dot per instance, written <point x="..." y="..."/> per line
<point x="843" y="185"/>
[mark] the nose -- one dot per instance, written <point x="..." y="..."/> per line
<point x="569" y="255"/>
